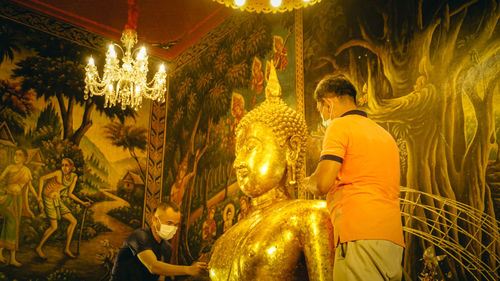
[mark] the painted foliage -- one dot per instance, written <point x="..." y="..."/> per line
<point x="72" y="171"/>
<point x="208" y="97"/>
<point x="427" y="71"/>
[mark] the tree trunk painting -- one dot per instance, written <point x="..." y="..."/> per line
<point x="185" y="179"/>
<point x="416" y="70"/>
<point x="183" y="176"/>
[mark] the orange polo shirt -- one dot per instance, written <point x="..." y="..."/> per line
<point x="364" y="203"/>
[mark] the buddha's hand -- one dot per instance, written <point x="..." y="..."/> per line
<point x="197" y="268"/>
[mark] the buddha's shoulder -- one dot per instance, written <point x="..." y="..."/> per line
<point x="314" y="204"/>
<point x="301" y="205"/>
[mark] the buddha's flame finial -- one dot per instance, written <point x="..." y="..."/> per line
<point x="273" y="88"/>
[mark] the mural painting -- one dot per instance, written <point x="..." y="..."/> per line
<point x="71" y="171"/>
<point x="208" y="97"/>
<point x="428" y="71"/>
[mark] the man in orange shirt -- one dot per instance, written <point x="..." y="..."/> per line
<point x="359" y="172"/>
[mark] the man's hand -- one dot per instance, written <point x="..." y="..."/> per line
<point x="323" y="178"/>
<point x="197" y="268"/>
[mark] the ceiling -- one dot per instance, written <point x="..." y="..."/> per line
<point x="159" y="21"/>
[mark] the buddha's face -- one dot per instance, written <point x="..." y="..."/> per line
<point x="260" y="161"/>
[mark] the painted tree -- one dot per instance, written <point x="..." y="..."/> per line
<point x="129" y="138"/>
<point x="10" y="42"/>
<point x="16" y="104"/>
<point x="184" y="176"/>
<point x="56" y="72"/>
<point x="48" y="127"/>
<point x="417" y="62"/>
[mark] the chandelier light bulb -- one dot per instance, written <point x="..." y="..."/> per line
<point x="306" y="0"/>
<point x="91" y="61"/>
<point x="239" y="3"/>
<point x="162" y="68"/>
<point x="111" y="51"/>
<point x="276" y="3"/>
<point x="142" y="54"/>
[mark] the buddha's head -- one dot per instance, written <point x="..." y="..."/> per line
<point x="270" y="145"/>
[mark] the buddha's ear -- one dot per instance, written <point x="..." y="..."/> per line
<point x="293" y="150"/>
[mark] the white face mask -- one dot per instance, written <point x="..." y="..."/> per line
<point x="327" y="122"/>
<point x="166" y="232"/>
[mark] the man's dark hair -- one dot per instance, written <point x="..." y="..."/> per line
<point x="334" y="85"/>
<point x="167" y="204"/>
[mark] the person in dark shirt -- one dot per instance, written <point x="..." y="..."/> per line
<point x="143" y="254"/>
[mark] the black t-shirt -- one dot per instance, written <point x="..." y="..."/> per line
<point x="128" y="266"/>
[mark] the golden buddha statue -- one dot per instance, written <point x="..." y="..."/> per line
<point x="280" y="238"/>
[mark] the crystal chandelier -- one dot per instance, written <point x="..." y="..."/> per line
<point x="126" y="84"/>
<point x="267" y="6"/>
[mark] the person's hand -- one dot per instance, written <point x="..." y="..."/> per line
<point x="86" y="204"/>
<point x="197" y="268"/>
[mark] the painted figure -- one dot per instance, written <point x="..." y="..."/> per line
<point x="257" y="79"/>
<point x="181" y="180"/>
<point x="58" y="184"/>
<point x="237" y="110"/>
<point x="209" y="227"/>
<point x="280" y="53"/>
<point x="228" y="216"/>
<point x="14" y="203"/>
<point x="281" y="238"/>
<point x="243" y="208"/>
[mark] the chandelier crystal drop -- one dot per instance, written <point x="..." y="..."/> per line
<point x="127" y="84"/>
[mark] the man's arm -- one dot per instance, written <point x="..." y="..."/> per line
<point x="155" y="266"/>
<point x="320" y="182"/>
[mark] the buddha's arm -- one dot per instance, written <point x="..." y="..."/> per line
<point x="318" y="246"/>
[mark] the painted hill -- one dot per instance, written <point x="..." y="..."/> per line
<point x="89" y="148"/>
<point x="115" y="170"/>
